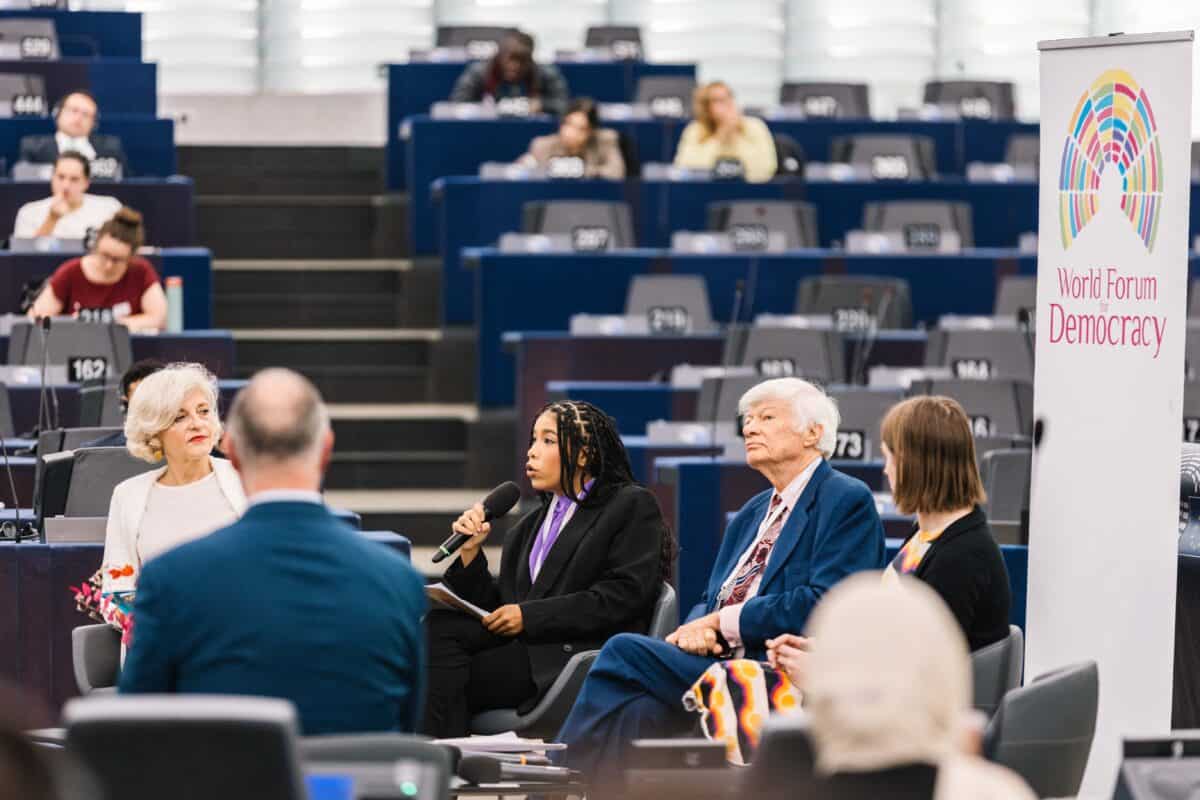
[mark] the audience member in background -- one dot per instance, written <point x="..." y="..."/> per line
<point x="111" y="283"/>
<point x="69" y="212"/>
<point x="929" y="460"/>
<point x="133" y="377"/>
<point x="75" y="125"/>
<point x="289" y="601"/>
<point x="782" y="551"/>
<point x="889" y="699"/>
<point x="721" y="132"/>
<point x="580" y="136"/>
<point x="172" y="417"/>
<point x="512" y="72"/>
<point x="587" y="564"/>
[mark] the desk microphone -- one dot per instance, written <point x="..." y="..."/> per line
<point x="496" y="504"/>
<point x="484" y="769"/>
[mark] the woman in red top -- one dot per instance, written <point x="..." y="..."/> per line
<point x="109" y="284"/>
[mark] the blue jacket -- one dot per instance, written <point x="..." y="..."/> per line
<point x="832" y="532"/>
<point x="287" y="602"/>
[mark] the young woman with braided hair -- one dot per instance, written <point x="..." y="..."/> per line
<point x="587" y="564"/>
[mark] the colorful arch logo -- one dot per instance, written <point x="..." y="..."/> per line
<point x="1112" y="124"/>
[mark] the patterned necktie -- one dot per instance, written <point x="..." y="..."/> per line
<point x="757" y="561"/>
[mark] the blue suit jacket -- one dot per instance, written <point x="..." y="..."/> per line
<point x="287" y="602"/>
<point x="832" y="532"/>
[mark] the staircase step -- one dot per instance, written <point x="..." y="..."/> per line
<point x="392" y="470"/>
<point x="283" y="170"/>
<point x="374" y="435"/>
<point x="330" y="310"/>
<point x="321" y="226"/>
<point x="358" y="383"/>
<point x="334" y="347"/>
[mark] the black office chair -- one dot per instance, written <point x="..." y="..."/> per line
<point x="982" y="354"/>
<point x="468" y="35"/>
<point x="1015" y="293"/>
<point x="1044" y="730"/>
<point x="629" y="154"/>
<point x="992" y="100"/>
<point x="96" y="473"/>
<point x="195" y="747"/>
<point x="623" y="41"/>
<point x="649" y="294"/>
<point x="1023" y="149"/>
<point x="784" y="765"/>
<point x="544" y="719"/>
<point x="888" y="156"/>
<point x="795" y="219"/>
<point x="827" y="99"/>
<point x="887" y="300"/>
<point x="814" y="355"/>
<point x="994" y="407"/>
<point x="569" y="216"/>
<point x="96" y="658"/>
<point x="921" y="221"/>
<point x="996" y="670"/>
<point x="789" y="157"/>
<point x="862" y="409"/>
<point x="1006" y="478"/>
<point x="666" y="95"/>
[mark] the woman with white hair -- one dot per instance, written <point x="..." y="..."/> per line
<point x="890" y="714"/>
<point x="172" y="419"/>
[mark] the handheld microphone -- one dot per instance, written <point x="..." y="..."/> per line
<point x="483" y="769"/>
<point x="496" y="504"/>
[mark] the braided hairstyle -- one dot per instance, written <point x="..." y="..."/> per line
<point x="583" y="429"/>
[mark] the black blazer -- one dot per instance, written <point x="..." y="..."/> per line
<point x="43" y="148"/>
<point x="601" y="578"/>
<point x="965" y="567"/>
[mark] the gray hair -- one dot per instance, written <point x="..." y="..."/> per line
<point x="810" y="406"/>
<point x="278" y="417"/>
<point x="157" y="402"/>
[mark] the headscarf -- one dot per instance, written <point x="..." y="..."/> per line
<point x="889" y="679"/>
<point x="889" y="684"/>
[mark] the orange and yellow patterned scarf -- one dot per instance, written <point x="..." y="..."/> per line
<point x="734" y="699"/>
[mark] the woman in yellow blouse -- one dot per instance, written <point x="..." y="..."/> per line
<point x="720" y="131"/>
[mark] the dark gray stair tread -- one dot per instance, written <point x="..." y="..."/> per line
<point x="380" y="435"/>
<point x="313" y="315"/>
<point x="302" y="282"/>
<point x="399" y="456"/>
<point x="430" y="473"/>
<point x="332" y="354"/>
<point x="282" y="169"/>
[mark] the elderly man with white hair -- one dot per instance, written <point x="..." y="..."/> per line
<point x="782" y="551"/>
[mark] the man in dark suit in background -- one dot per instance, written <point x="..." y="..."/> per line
<point x="288" y="601"/>
<point x="75" y="124"/>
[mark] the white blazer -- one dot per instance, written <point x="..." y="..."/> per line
<point x="125" y="514"/>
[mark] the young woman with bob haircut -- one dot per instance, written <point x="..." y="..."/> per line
<point x="929" y="459"/>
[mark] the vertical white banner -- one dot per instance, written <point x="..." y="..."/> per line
<point x="1112" y="286"/>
